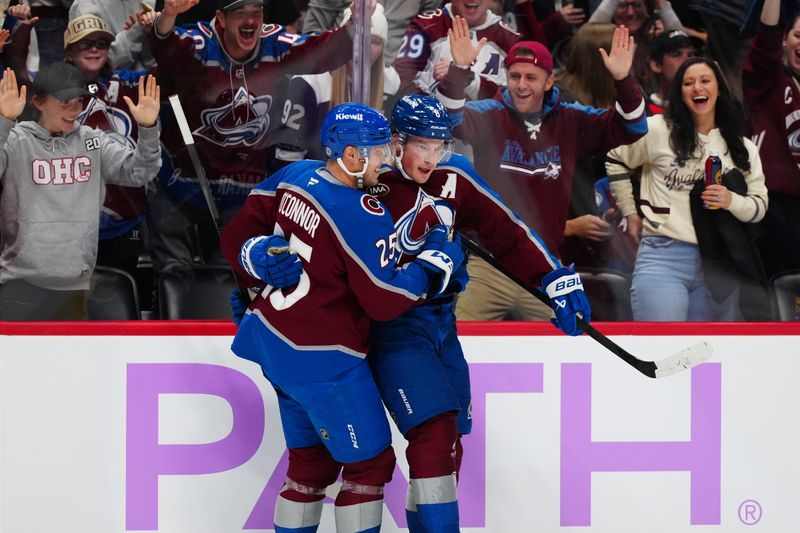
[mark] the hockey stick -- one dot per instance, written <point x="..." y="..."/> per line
<point x="686" y="358"/>
<point x="205" y="186"/>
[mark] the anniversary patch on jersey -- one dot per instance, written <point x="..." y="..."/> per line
<point x="372" y="205"/>
<point x="378" y="190"/>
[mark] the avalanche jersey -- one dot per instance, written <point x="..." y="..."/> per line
<point x="455" y="194"/>
<point x="231" y="105"/>
<point x="346" y="241"/>
<point x="106" y="110"/>
<point x="425" y="44"/>
<point x="531" y="162"/>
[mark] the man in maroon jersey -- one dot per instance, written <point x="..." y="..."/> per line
<point x="226" y="72"/>
<point x="526" y="144"/>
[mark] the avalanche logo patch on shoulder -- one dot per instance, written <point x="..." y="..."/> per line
<point x="372" y="205"/>
<point x="378" y="190"/>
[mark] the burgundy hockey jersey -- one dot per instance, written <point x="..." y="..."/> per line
<point x="347" y="243"/>
<point x="531" y="163"/>
<point x="106" y="110"/>
<point x="455" y="195"/>
<point x="773" y="97"/>
<point x="230" y="104"/>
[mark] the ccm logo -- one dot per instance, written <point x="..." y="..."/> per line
<point x="62" y="170"/>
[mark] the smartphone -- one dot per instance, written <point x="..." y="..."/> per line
<point x="146" y="8"/>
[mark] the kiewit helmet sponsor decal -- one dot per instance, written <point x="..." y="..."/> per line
<point x="372" y="205"/>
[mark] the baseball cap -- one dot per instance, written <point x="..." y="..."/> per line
<point x="668" y="41"/>
<point x="542" y="57"/>
<point x="230" y="5"/>
<point x="84" y="26"/>
<point x="62" y="81"/>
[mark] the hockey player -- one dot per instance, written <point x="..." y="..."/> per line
<point x="52" y="181"/>
<point x="526" y="144"/>
<point x="416" y="359"/>
<point x="309" y="326"/>
<point x="227" y="74"/>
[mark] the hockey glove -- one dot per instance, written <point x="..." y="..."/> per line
<point x="565" y="289"/>
<point x="237" y="306"/>
<point x="268" y="258"/>
<point x="441" y="256"/>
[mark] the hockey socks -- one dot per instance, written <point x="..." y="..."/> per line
<point x="299" y="505"/>
<point x="431" y="457"/>
<point x="359" y="505"/>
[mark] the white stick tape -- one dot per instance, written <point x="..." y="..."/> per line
<point x="183" y="124"/>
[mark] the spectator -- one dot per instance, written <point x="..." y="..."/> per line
<point x="52" y="190"/>
<point x="669" y="282"/>
<point x="87" y="42"/>
<point x="645" y="19"/>
<point x="668" y="52"/>
<point x="310" y="97"/>
<point x="226" y="72"/>
<point x="585" y="80"/>
<point x="424" y="57"/>
<point x="52" y="17"/>
<point x="526" y="145"/>
<point x="309" y="329"/>
<point x="129" y="49"/>
<point x="769" y="82"/>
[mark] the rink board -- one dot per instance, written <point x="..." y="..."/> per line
<point x="158" y="427"/>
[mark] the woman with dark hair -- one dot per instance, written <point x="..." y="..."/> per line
<point x="702" y="117"/>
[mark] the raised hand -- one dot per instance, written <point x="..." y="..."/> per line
<point x="23" y="13"/>
<point x="573" y="15"/>
<point x="12" y="99"/>
<point x="173" y="8"/>
<point x="619" y="61"/>
<point x="147" y="18"/>
<point x="463" y="50"/>
<point x="145" y="111"/>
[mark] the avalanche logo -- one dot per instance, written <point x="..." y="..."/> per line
<point x="371" y="205"/>
<point x="225" y="126"/>
<point x="114" y="122"/>
<point x="413" y="227"/>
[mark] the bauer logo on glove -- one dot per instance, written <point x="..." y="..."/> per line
<point x="565" y="289"/>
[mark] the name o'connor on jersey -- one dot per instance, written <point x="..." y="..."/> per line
<point x="61" y="170"/>
<point x="295" y="208"/>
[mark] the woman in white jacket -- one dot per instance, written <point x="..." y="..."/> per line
<point x="702" y="115"/>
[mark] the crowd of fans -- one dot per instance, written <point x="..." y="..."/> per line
<point x="606" y="165"/>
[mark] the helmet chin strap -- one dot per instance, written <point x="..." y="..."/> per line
<point x="398" y="160"/>
<point x="359" y="176"/>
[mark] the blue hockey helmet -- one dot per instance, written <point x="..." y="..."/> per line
<point x="421" y="115"/>
<point x="355" y="125"/>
